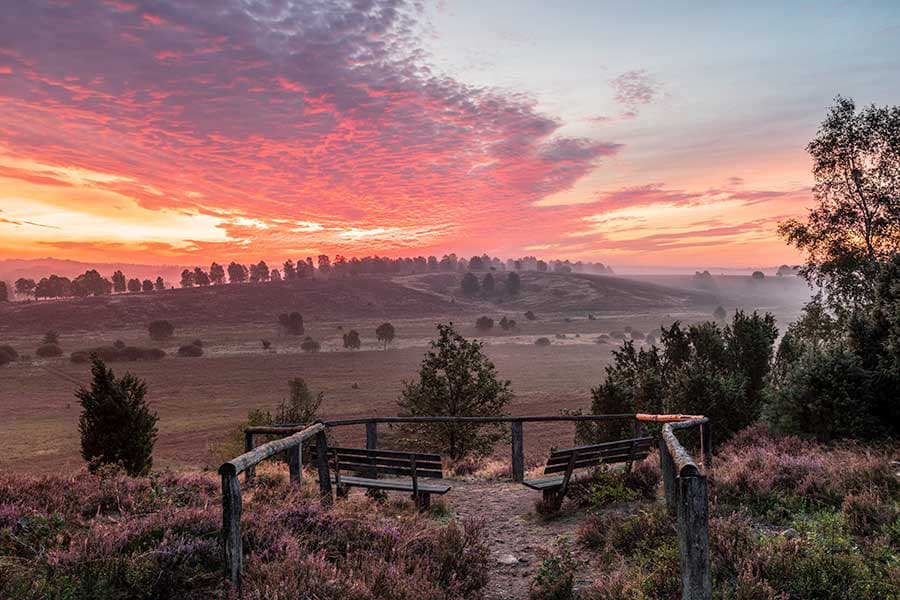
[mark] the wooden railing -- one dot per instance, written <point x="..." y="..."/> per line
<point x="231" y="489"/>
<point x="684" y="483"/>
<point x="517" y="430"/>
<point x="687" y="498"/>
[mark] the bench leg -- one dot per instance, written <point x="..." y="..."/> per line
<point x="552" y="498"/>
<point x="422" y="501"/>
<point x="341" y="491"/>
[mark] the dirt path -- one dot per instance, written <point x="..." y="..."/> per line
<point x="514" y="531"/>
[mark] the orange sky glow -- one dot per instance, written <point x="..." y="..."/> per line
<point x="184" y="133"/>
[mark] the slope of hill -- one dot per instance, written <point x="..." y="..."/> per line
<point x="569" y="292"/>
<point x="246" y="303"/>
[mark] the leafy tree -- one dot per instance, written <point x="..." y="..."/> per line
<point x="159" y="285"/>
<point x="292" y="323"/>
<point x="161" y="330"/>
<point x="324" y="265"/>
<point x="455" y="379"/>
<point x="134" y="285"/>
<point x="237" y="273"/>
<point x="513" y="284"/>
<point x="487" y="284"/>
<point x="855" y="226"/>
<point x="201" y="278"/>
<point x="216" y="273"/>
<point x="310" y="345"/>
<point x="351" y="340"/>
<point x="384" y="333"/>
<point x="530" y="315"/>
<point x="719" y="314"/>
<point x="48" y="351"/>
<point x="476" y="264"/>
<point x="25" y="287"/>
<point x="91" y="283"/>
<point x="837" y="378"/>
<point x="507" y="324"/>
<point x="259" y="271"/>
<point x="470" y="284"/>
<point x="4" y="292"/>
<point x="484" y="324"/>
<point x="116" y="424"/>
<point x="290" y="273"/>
<point x="274" y="275"/>
<point x="146" y="286"/>
<point x="51" y="337"/>
<point x="187" y="278"/>
<point x="758" y="275"/>
<point x="118" y="281"/>
<point x="702" y="369"/>
<point x="53" y="287"/>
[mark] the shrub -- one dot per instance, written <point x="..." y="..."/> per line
<point x="484" y="324"/>
<point x="292" y="323"/>
<point x="719" y="314"/>
<point x="9" y="351"/>
<point x="119" y="344"/>
<point x="555" y="579"/>
<point x="116" y="424"/>
<point x="507" y="324"/>
<point x="5" y="358"/>
<point x="542" y="341"/>
<point x="637" y="335"/>
<point x="351" y="340"/>
<point x="51" y="337"/>
<point x="266" y="344"/>
<point x="310" y="345"/>
<point x="867" y="512"/>
<point x="190" y="350"/>
<point x="530" y="316"/>
<point x="160" y="330"/>
<point x="198" y="343"/>
<point x="617" y="335"/>
<point x="455" y="379"/>
<point x="48" y="351"/>
<point x="385" y="333"/>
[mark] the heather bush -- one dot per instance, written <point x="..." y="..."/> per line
<point x="603" y="488"/>
<point x="9" y="351"/>
<point x="310" y="345"/>
<point x="92" y="537"/>
<point x="555" y="578"/>
<point x="776" y="476"/>
<point x="542" y="341"/>
<point x="160" y="330"/>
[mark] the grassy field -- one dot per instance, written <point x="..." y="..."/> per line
<point x="202" y="401"/>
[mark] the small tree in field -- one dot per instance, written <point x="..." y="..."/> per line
<point x="484" y="324"/>
<point x="351" y="340"/>
<point x="385" y="334"/>
<point x="160" y="330"/>
<point x="719" y="314"/>
<point x="455" y="379"/>
<point x="310" y="345"/>
<point x="470" y="284"/>
<point x="116" y="424"/>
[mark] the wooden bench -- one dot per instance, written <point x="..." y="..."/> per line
<point x="565" y="462"/>
<point x="370" y="464"/>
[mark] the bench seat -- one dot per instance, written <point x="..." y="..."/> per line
<point x="544" y="483"/>
<point x="394" y="485"/>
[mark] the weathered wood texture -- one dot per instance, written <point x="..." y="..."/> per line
<point x="518" y="452"/>
<point x="322" y="464"/>
<point x="693" y="538"/>
<point x="667" y="469"/>
<point x="372" y="435"/>
<point x="257" y="455"/>
<point x="248" y="446"/>
<point x="706" y="445"/>
<point x="231" y="528"/>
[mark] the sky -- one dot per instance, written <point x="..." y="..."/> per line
<point x="640" y="134"/>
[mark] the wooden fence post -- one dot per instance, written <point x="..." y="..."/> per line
<point x="248" y="446"/>
<point x="693" y="538"/>
<point x="518" y="452"/>
<point x="638" y="428"/>
<point x="324" y="475"/>
<point x="667" y="467"/>
<point x="706" y="446"/>
<point x="231" y="525"/>
<point x="295" y="463"/>
<point x="372" y="435"/>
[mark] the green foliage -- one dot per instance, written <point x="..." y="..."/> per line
<point x="455" y="379"/>
<point x="555" y="579"/>
<point x="855" y="227"/>
<point x="161" y="330"/>
<point x="116" y="424"/>
<point x="703" y="369"/>
<point x="484" y="324"/>
<point x="841" y="377"/>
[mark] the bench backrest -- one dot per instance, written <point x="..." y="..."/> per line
<point x="620" y="451"/>
<point x="372" y="463"/>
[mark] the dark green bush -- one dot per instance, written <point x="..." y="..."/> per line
<point x="49" y="351"/>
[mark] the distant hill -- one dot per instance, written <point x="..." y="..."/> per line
<point x="12" y="269"/>
<point x="364" y="297"/>
<point x="567" y="292"/>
